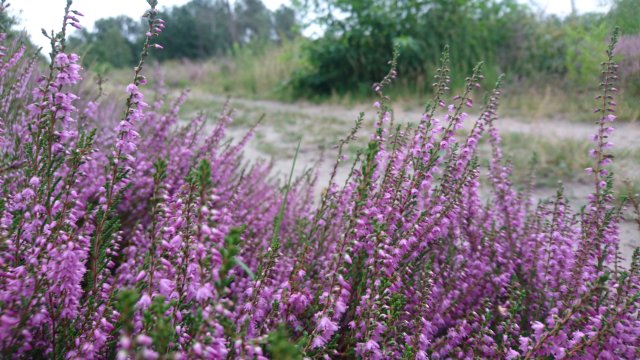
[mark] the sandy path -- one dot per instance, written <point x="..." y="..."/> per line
<point x="627" y="135"/>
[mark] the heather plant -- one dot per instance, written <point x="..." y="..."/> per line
<point x="629" y="52"/>
<point x="128" y="232"/>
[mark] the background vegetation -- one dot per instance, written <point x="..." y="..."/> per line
<point x="357" y="38"/>
<point x="200" y="29"/>
<point x="246" y="50"/>
<point x="128" y="231"/>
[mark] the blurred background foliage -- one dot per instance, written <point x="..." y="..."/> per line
<point x="243" y="48"/>
<point x="200" y="29"/>
<point x="8" y="25"/>
<point x="360" y="34"/>
<point x="509" y="36"/>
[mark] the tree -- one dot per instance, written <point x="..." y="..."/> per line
<point x="113" y="41"/>
<point x="198" y="29"/>
<point x="253" y="21"/>
<point x="6" y="20"/>
<point x="360" y="36"/>
<point x="285" y="24"/>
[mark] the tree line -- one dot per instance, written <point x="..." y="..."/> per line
<point x="198" y="29"/>
<point x="509" y="36"/>
<point x="358" y="37"/>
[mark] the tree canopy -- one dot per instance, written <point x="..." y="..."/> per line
<point x="196" y="30"/>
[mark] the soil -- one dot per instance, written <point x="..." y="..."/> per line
<point x="283" y="138"/>
<point x="626" y="135"/>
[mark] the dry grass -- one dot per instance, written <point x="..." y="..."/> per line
<point x="550" y="101"/>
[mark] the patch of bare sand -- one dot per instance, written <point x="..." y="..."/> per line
<point x="321" y="161"/>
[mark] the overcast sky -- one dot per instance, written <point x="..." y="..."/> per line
<point x="47" y="14"/>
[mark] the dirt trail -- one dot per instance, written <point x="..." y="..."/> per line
<point x="286" y="122"/>
<point x="626" y="135"/>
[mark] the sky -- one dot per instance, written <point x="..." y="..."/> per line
<point x="37" y="14"/>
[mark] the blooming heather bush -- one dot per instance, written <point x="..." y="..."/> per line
<point x="135" y="236"/>
<point x="628" y="49"/>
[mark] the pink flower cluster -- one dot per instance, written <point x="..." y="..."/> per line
<point x="628" y="50"/>
<point x="144" y="238"/>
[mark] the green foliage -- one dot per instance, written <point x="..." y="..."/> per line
<point x="228" y="253"/>
<point x="626" y="14"/>
<point x="398" y="301"/>
<point x="280" y="346"/>
<point x="6" y="20"/>
<point x="160" y="170"/>
<point x="262" y="69"/>
<point x="204" y="174"/>
<point x="355" y="47"/>
<point x="252" y="21"/>
<point x="554" y="159"/>
<point x="285" y="24"/>
<point x="586" y="36"/>
<point x="125" y="303"/>
<point x="506" y="34"/>
<point x="267" y="57"/>
<point x="114" y="41"/>
<point x="158" y="325"/>
<point x="198" y="29"/>
<point x="538" y="45"/>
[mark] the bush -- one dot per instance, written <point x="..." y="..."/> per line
<point x="151" y="240"/>
<point x="200" y="29"/>
<point x="359" y="35"/>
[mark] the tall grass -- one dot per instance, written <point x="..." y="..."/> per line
<point x="252" y="71"/>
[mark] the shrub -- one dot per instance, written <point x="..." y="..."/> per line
<point x="358" y="36"/>
<point x="141" y="238"/>
<point x="587" y="35"/>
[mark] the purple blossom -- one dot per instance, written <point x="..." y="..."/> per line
<point x="155" y="235"/>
